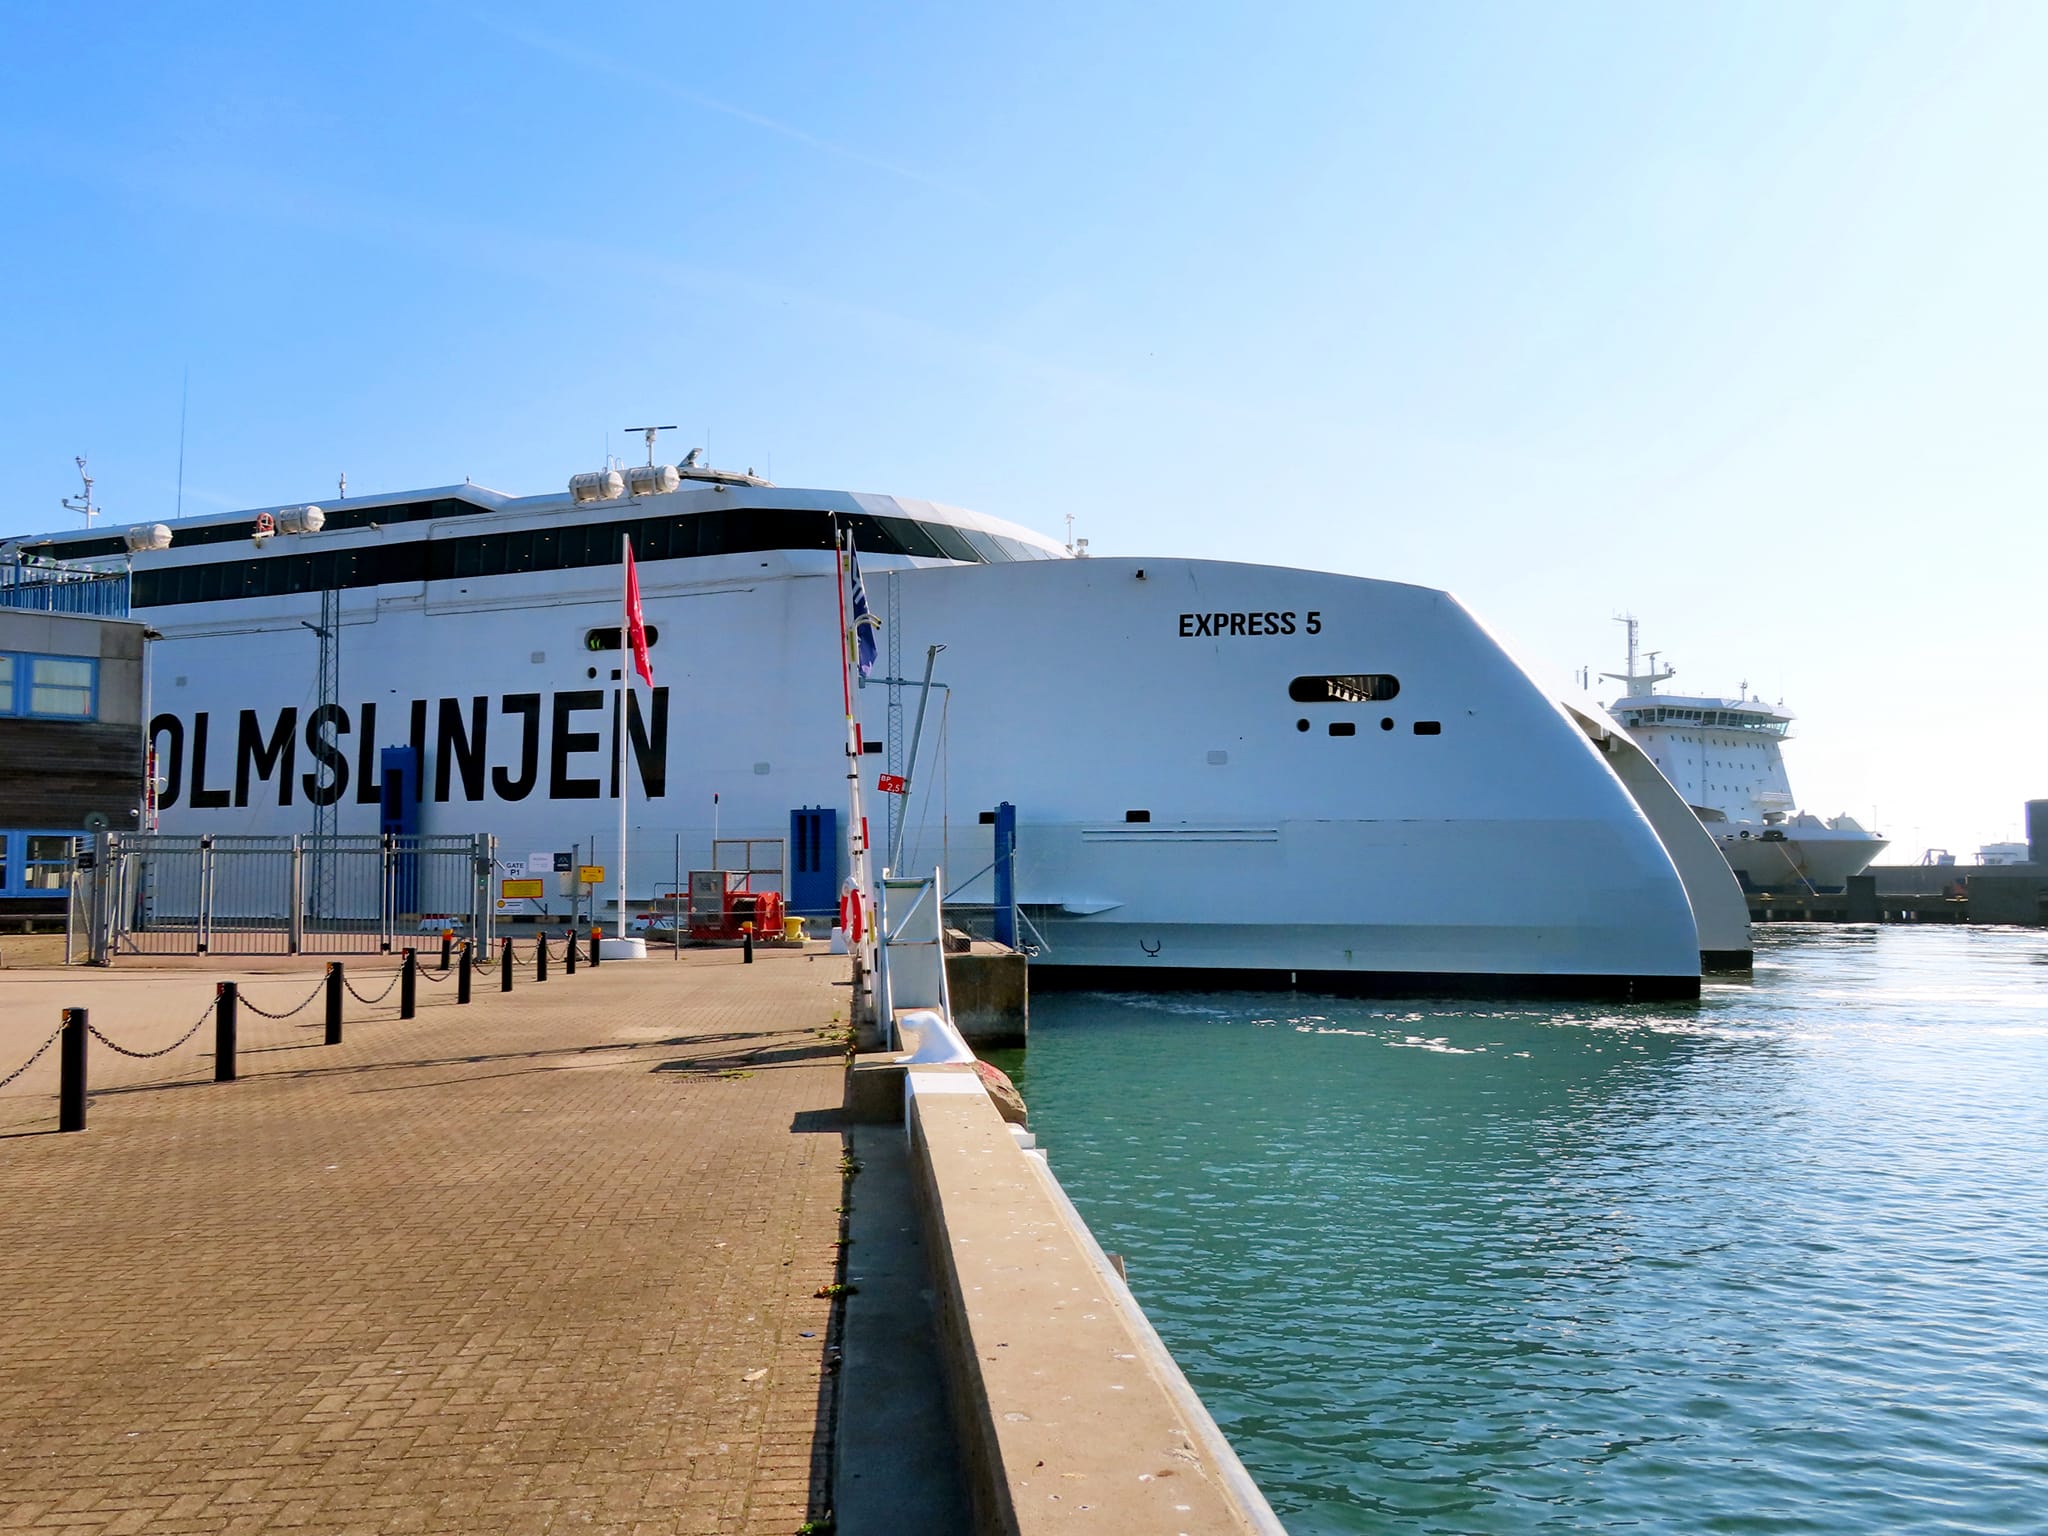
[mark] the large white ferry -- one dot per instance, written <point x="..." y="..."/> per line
<point x="1723" y="756"/>
<point x="1222" y="773"/>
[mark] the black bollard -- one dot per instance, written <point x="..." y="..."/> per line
<point x="540" y="958"/>
<point x="334" y="984"/>
<point x="505" y="969"/>
<point x="570" y="963"/>
<point x="746" y="944"/>
<point x="468" y="966"/>
<point x="225" y="999"/>
<point x="71" y="1072"/>
<point x="409" y="984"/>
<point x="596" y="943"/>
<point x="447" y="948"/>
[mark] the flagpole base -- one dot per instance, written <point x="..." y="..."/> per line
<point x="622" y="949"/>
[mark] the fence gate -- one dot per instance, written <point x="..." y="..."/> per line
<point x="183" y="894"/>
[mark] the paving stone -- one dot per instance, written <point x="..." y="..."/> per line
<point x="497" y="1268"/>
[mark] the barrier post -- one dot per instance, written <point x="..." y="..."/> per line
<point x="468" y="968"/>
<point x="540" y="957"/>
<point x="225" y="999"/>
<point x="505" y="969"/>
<point x="334" y="982"/>
<point x="746" y="943"/>
<point x="596" y="945"/>
<point x="447" y="948"/>
<point x="71" y="1072"/>
<point x="408" y="984"/>
<point x="570" y="963"/>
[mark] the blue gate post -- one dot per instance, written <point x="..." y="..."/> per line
<point x="1006" y="874"/>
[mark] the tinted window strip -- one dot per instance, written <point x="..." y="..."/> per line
<point x="572" y="547"/>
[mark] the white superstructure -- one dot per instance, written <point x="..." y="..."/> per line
<point x="1223" y="772"/>
<point x="1723" y="755"/>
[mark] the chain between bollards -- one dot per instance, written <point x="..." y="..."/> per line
<point x="409" y="984"/>
<point x="225" y="997"/>
<point x="468" y="968"/>
<point x="71" y="1072"/>
<point x="334" y="986"/>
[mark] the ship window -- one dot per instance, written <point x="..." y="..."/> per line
<point x="609" y="639"/>
<point x="1137" y="815"/>
<point x="1429" y="728"/>
<point x="1016" y="549"/>
<point x="950" y="543"/>
<point x="1386" y="722"/>
<point x="1343" y="728"/>
<point x="1301" y="725"/>
<point x="984" y="546"/>
<point x="1345" y="688"/>
<point x="911" y="538"/>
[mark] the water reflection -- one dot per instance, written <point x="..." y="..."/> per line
<point x="1766" y="1262"/>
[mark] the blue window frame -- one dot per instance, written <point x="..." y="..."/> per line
<point x="35" y="863"/>
<point x="49" y="687"/>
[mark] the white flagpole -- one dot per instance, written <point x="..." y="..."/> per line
<point x="625" y="661"/>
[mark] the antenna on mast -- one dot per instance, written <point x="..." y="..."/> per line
<point x="649" y="433"/>
<point x="84" y="502"/>
<point x="1640" y="684"/>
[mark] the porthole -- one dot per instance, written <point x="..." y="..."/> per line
<point x="1345" y="688"/>
<point x="1301" y="725"/>
<point x="1386" y="722"/>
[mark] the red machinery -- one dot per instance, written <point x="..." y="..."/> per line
<point x="723" y="902"/>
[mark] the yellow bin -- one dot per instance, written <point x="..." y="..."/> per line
<point x="793" y="929"/>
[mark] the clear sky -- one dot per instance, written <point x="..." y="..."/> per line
<point x="1730" y="316"/>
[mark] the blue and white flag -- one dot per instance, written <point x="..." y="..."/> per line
<point x="865" y="625"/>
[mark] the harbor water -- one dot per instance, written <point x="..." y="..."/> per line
<point x="1774" y="1262"/>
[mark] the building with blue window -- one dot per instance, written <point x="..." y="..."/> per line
<point x="71" y="700"/>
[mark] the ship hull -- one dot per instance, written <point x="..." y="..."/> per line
<point x="1180" y="813"/>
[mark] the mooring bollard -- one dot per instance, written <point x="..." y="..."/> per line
<point x="225" y="999"/>
<point x="409" y="984"/>
<point x="596" y="945"/>
<point x="505" y="969"/>
<point x="746" y="943"/>
<point x="447" y="948"/>
<point x="570" y="964"/>
<point x="71" y="1072"/>
<point x="334" y="985"/>
<point x="468" y="966"/>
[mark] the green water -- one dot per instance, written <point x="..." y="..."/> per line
<point x="1777" y="1262"/>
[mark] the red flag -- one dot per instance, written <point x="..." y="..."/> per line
<point x="636" y="625"/>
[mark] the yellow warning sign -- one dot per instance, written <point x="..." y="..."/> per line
<point x="522" y="890"/>
<point x="591" y="874"/>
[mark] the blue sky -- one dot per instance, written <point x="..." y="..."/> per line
<point x="1728" y="316"/>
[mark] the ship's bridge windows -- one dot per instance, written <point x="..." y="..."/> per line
<point x="459" y="556"/>
<point x="1345" y="688"/>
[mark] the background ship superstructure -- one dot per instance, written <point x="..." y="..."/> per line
<point x="1723" y="755"/>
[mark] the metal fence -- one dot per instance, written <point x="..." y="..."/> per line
<point x="178" y="894"/>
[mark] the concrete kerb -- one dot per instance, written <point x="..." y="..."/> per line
<point x="1063" y="1396"/>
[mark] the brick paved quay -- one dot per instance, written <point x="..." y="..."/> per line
<point x="545" y="1263"/>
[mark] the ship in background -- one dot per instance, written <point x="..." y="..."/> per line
<point x="1724" y="756"/>
<point x="1223" y="773"/>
